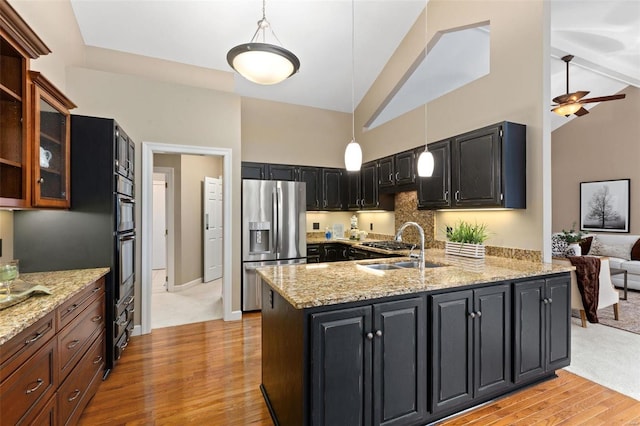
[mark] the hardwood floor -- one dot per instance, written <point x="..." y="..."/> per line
<point x="209" y="373"/>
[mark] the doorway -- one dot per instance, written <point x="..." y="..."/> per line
<point x="148" y="150"/>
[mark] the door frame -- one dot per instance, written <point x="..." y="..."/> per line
<point x="148" y="149"/>
<point x="169" y="223"/>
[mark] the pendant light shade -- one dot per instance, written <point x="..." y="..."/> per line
<point x="353" y="156"/>
<point x="425" y="164"/>
<point x="353" y="152"/>
<point x="263" y="63"/>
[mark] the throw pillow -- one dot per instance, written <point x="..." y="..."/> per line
<point x="585" y="245"/>
<point x="635" y="251"/>
<point x="558" y="245"/>
<point x="621" y="251"/>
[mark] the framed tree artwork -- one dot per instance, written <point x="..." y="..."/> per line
<point x="604" y="206"/>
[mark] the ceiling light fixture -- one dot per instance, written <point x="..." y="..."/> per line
<point x="353" y="152"/>
<point x="261" y="62"/>
<point x="425" y="160"/>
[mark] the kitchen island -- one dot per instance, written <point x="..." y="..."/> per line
<point x="346" y="344"/>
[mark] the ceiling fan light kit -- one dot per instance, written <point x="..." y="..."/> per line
<point x="263" y="63"/>
<point x="353" y="152"/>
<point x="573" y="103"/>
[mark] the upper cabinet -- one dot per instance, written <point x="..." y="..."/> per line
<point x="487" y="169"/>
<point x="398" y="172"/>
<point x="34" y="122"/>
<point x="51" y="135"/>
<point x="361" y="188"/>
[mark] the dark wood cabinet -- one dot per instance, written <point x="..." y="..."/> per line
<point x="331" y="189"/>
<point x="435" y="191"/>
<point x="313" y="253"/>
<point x="250" y="170"/>
<point x="386" y="172"/>
<point x="312" y="176"/>
<point x="471" y="346"/>
<point x="542" y="326"/>
<point x="397" y="172"/>
<point x="361" y="189"/>
<point x="486" y="168"/>
<point x="369" y="364"/>
<point x="333" y="252"/>
<point x="283" y="172"/>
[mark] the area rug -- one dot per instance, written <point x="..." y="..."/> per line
<point x="629" y="311"/>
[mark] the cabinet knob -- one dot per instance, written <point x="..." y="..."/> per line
<point x="41" y="180"/>
<point x="379" y="333"/>
<point x="472" y="314"/>
<point x="550" y="300"/>
<point x="397" y="175"/>
<point x="390" y="177"/>
<point x="479" y="314"/>
<point x="446" y="195"/>
<point x="545" y="301"/>
<point x="457" y="196"/>
<point x="370" y="336"/>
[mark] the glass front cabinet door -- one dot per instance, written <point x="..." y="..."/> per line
<point x="51" y="135"/>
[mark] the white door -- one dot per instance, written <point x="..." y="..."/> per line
<point x="212" y="232"/>
<point x="159" y="260"/>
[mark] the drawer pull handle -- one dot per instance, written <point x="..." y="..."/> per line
<point x="132" y="310"/>
<point x="38" y="335"/>
<point x="73" y="344"/>
<point x="122" y="323"/>
<point x="129" y="301"/>
<point x="72" y="307"/>
<point x="39" y="383"/>
<point x="124" y="345"/>
<point x="76" y="393"/>
<point x="98" y="359"/>
<point x="97" y="318"/>
<point x="96" y="290"/>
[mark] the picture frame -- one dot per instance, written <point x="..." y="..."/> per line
<point x="604" y="205"/>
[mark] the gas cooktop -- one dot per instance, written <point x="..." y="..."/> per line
<point x="389" y="245"/>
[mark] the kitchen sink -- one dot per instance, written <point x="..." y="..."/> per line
<point x="398" y="265"/>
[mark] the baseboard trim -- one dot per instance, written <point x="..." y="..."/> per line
<point x="234" y="316"/>
<point x="190" y="284"/>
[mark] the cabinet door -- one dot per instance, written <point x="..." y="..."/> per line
<point x="341" y="367"/>
<point x="312" y="176"/>
<point x="282" y="172"/>
<point x="386" y="172"/>
<point x="434" y="191"/>
<point x="529" y="332"/>
<point x="405" y="173"/>
<point x="452" y="340"/>
<point x="251" y="170"/>
<point x="559" y="322"/>
<point x="332" y="189"/>
<point x="334" y="253"/>
<point x="477" y="168"/>
<point x="492" y="339"/>
<point x="51" y="155"/>
<point x="353" y="189"/>
<point x="369" y="185"/>
<point x="399" y="369"/>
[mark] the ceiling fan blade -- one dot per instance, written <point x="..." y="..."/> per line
<point x="570" y="97"/>
<point x="604" y="98"/>
<point x="582" y="111"/>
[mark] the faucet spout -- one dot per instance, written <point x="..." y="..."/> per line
<point x="421" y="231"/>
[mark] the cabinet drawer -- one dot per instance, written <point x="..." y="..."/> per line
<point x="33" y="382"/>
<point x="123" y="341"/>
<point x="46" y="416"/>
<point x="76" y="391"/>
<point x="72" y="307"/>
<point x="17" y="350"/>
<point x="74" y="339"/>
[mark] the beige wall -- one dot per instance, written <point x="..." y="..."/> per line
<point x="6" y="234"/>
<point x="274" y="132"/>
<point x="603" y="145"/>
<point x="512" y="91"/>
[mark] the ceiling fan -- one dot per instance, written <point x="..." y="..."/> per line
<point x="572" y="103"/>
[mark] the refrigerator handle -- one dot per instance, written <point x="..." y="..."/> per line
<point x="274" y="223"/>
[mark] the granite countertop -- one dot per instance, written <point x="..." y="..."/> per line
<point x="321" y="284"/>
<point x="63" y="285"/>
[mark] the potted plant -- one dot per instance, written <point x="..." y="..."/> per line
<point x="572" y="238"/>
<point x="465" y="239"/>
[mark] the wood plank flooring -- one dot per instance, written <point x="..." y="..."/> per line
<point x="208" y="374"/>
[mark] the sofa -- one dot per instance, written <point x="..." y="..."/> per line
<point x="623" y="251"/>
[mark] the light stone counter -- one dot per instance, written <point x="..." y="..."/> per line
<point x="63" y="285"/>
<point x="320" y="284"/>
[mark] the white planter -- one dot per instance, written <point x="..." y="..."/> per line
<point x="573" y="249"/>
<point x="475" y="251"/>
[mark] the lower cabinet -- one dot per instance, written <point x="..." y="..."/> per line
<point x="369" y="364"/>
<point x="471" y="346"/>
<point x="542" y="326"/>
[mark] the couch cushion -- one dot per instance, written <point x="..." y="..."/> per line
<point x="616" y="262"/>
<point x="632" y="266"/>
<point x="613" y="248"/>
<point x="558" y="245"/>
<point x="585" y="245"/>
<point x="635" y="251"/>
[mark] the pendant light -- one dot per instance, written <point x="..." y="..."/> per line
<point x="261" y="62"/>
<point x="425" y="160"/>
<point x="353" y="152"/>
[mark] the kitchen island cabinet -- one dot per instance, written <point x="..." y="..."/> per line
<point x="345" y="344"/>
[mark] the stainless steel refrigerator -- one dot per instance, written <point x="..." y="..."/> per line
<point x="273" y="231"/>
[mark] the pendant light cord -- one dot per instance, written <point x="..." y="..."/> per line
<point x="353" y="71"/>
<point x="263" y="24"/>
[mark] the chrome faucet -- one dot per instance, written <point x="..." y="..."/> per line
<point x="399" y="238"/>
